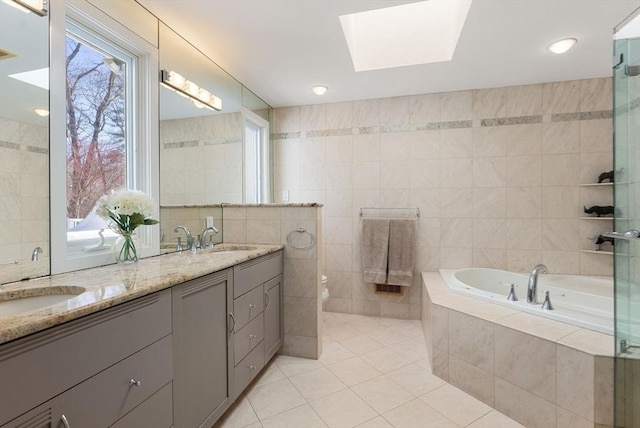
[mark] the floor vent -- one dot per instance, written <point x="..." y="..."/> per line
<point x="394" y="290"/>
<point x="6" y="54"/>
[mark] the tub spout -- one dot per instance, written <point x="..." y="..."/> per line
<point x="532" y="284"/>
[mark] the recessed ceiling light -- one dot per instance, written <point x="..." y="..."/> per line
<point x="415" y="33"/>
<point x="38" y="77"/>
<point x="561" y="46"/>
<point x="320" y="89"/>
<point x="41" y="112"/>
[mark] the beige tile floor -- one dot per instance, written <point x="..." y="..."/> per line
<point x="373" y="373"/>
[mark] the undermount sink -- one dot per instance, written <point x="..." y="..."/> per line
<point x="28" y="299"/>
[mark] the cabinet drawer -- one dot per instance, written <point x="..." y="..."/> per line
<point x="247" y="307"/>
<point x="155" y="412"/>
<point x="247" y="276"/>
<point x="108" y="396"/>
<point x="245" y="339"/>
<point x="248" y="369"/>
<point x="35" y="368"/>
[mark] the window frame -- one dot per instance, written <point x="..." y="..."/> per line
<point x="143" y="111"/>
<point x="264" y="157"/>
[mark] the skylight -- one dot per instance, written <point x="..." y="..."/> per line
<point x="39" y="78"/>
<point x="415" y="33"/>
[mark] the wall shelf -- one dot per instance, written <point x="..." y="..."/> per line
<point x="596" y="185"/>
<point x="597" y="252"/>
<point x="596" y="218"/>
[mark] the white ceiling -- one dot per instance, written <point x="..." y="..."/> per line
<point x="281" y="48"/>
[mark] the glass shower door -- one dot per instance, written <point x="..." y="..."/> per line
<point x="626" y="120"/>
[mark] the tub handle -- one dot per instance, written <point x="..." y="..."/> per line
<point x="512" y="293"/>
<point x="629" y="234"/>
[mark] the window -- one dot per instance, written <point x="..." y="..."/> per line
<point x="98" y="105"/>
<point x="109" y="104"/>
<point x="256" y="158"/>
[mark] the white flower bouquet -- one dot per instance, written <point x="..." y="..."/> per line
<point x="126" y="209"/>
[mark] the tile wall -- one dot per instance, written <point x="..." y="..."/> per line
<point x="496" y="174"/>
<point x="201" y="160"/>
<point x="302" y="288"/>
<point x="24" y="199"/>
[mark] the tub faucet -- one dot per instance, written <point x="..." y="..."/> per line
<point x="190" y="244"/>
<point x="201" y="243"/>
<point x="36" y="252"/>
<point x="532" y="284"/>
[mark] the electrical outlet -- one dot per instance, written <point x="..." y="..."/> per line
<point x="209" y="221"/>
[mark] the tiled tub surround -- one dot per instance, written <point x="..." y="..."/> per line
<point x="540" y="372"/>
<point x="201" y="160"/>
<point x="24" y="199"/>
<point x="270" y="224"/>
<point x="110" y="285"/>
<point x="495" y="173"/>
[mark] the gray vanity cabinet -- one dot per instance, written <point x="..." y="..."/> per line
<point x="273" y="320"/>
<point x="257" y="310"/>
<point x="202" y="349"/>
<point x="93" y="371"/>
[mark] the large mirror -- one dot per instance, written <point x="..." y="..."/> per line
<point x="24" y="142"/>
<point x="200" y="148"/>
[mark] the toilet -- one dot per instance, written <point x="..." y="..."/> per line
<point x="325" y="291"/>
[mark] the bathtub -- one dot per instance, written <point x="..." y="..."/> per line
<point x="584" y="301"/>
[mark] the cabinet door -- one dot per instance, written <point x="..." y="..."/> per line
<point x="201" y="349"/>
<point x="273" y="323"/>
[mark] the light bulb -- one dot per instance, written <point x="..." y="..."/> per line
<point x="561" y="46"/>
<point x="320" y="89"/>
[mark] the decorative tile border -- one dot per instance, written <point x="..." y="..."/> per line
<point x="522" y="120"/>
<point x="24" y="147"/>
<point x="456" y="124"/>
<point x="589" y="115"/>
<point x="198" y="143"/>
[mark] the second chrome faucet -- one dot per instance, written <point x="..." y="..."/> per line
<point x="200" y="241"/>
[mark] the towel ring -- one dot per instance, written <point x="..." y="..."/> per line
<point x="302" y="230"/>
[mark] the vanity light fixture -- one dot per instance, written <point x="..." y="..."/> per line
<point x="561" y="46"/>
<point x="41" y="112"/>
<point x="35" y="6"/>
<point x="320" y="89"/>
<point x="200" y="96"/>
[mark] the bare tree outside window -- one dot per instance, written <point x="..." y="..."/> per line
<point x="96" y="158"/>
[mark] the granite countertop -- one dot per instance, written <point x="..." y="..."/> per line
<point x="111" y="285"/>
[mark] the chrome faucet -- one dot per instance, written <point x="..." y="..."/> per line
<point x="532" y="284"/>
<point x="36" y="252"/>
<point x="189" y="236"/>
<point x="201" y="243"/>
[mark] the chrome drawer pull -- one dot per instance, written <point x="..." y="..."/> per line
<point x="234" y="322"/>
<point x="251" y="336"/>
<point x="252" y="367"/>
<point x="251" y="306"/>
<point x="65" y="422"/>
<point x="267" y="299"/>
<point x="134" y="382"/>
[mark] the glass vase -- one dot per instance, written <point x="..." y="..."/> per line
<point x="125" y="249"/>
